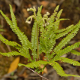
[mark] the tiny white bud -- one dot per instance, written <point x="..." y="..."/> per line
<point x="29" y="22"/>
<point x="47" y="13"/>
<point x="28" y="9"/>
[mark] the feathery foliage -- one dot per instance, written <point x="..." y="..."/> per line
<point x="45" y="32"/>
<point x="32" y="65"/>
<point x="75" y="52"/>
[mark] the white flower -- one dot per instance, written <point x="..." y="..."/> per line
<point x="31" y="9"/>
<point x="29" y="22"/>
<point x="47" y="13"/>
<point x="28" y="9"/>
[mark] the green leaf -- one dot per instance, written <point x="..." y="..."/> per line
<point x="11" y="53"/>
<point x="59" y="14"/>
<point x="64" y="32"/>
<point x="67" y="38"/>
<point x="66" y="50"/>
<point x="75" y="63"/>
<point x="34" y="40"/>
<point x="10" y="43"/>
<point x="34" y="64"/>
<point x="60" y="71"/>
<point x="7" y="19"/>
<point x="22" y="37"/>
<point x="75" y="52"/>
<point x="65" y="29"/>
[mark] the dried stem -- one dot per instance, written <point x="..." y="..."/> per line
<point x="37" y="73"/>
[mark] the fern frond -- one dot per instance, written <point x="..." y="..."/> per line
<point x="39" y="16"/>
<point x="60" y="71"/>
<point x="38" y="23"/>
<point x="39" y="20"/>
<point x="7" y="19"/>
<point x="56" y="23"/>
<point x="14" y="22"/>
<point x="34" y="40"/>
<point x="59" y="14"/>
<point x="22" y="37"/>
<point x="11" y="53"/>
<point x="53" y="16"/>
<point x="10" y="43"/>
<point x="61" y="32"/>
<point x="66" y="50"/>
<point x="75" y="63"/>
<point x="75" y="52"/>
<point x="67" y="38"/>
<point x="14" y="28"/>
<point x="64" y="32"/>
<point x="34" y="64"/>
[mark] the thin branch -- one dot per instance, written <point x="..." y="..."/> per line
<point x="2" y="48"/>
<point x="37" y="74"/>
<point x="8" y="47"/>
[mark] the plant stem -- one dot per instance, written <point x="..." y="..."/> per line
<point x="37" y="44"/>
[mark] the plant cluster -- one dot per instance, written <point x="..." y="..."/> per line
<point x="45" y="32"/>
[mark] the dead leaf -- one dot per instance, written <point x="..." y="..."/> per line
<point x="44" y="3"/>
<point x="25" y="13"/>
<point x="14" y="65"/>
<point x="53" y="5"/>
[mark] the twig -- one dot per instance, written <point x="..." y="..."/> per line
<point x="2" y="48"/>
<point x="22" y="71"/>
<point x="8" y="47"/>
<point x="37" y="73"/>
<point x="61" y="2"/>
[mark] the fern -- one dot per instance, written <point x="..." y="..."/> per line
<point x="63" y="32"/>
<point x="34" y="40"/>
<point x="11" y="43"/>
<point x="11" y="53"/>
<point x="75" y="63"/>
<point x="66" y="50"/>
<point x="75" y="52"/>
<point x="45" y="32"/>
<point x="35" y="64"/>
<point x="67" y="38"/>
<point x="60" y="71"/>
<point x="13" y="25"/>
